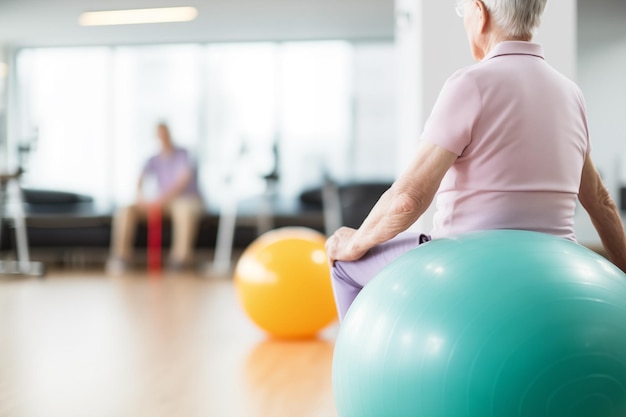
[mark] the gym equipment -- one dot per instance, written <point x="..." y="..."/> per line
<point x="489" y="324"/>
<point x="9" y="187"/>
<point x="227" y="223"/>
<point x="283" y="283"/>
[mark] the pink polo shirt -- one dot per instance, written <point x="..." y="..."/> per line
<point x="520" y="130"/>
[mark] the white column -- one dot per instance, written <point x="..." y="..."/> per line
<point x="4" y="75"/>
<point x="409" y="77"/>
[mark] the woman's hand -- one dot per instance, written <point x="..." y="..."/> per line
<point x="343" y="246"/>
<point x="398" y="208"/>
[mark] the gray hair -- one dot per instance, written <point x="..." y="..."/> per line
<point x="517" y="18"/>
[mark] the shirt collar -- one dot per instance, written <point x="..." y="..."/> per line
<point x="515" y="48"/>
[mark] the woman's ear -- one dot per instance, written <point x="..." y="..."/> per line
<point x="483" y="16"/>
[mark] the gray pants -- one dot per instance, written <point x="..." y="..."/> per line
<point x="349" y="278"/>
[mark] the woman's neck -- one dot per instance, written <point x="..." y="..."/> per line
<point x="495" y="38"/>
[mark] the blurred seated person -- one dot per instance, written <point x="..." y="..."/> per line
<point x="178" y="197"/>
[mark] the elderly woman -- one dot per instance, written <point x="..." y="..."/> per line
<point x="505" y="147"/>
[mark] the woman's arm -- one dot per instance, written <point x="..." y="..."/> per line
<point x="604" y="214"/>
<point x="398" y="208"/>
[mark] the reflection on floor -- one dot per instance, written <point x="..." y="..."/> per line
<point x="84" y="344"/>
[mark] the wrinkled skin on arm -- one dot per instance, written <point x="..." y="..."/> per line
<point x="398" y="208"/>
<point x="604" y="214"/>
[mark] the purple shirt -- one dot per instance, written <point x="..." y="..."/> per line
<point x="520" y="130"/>
<point x="167" y="169"/>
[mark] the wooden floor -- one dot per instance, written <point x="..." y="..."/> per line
<point x="90" y="345"/>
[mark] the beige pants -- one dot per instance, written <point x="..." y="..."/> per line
<point x="184" y="213"/>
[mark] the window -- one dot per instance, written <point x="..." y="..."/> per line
<point x="65" y="100"/>
<point x="325" y="107"/>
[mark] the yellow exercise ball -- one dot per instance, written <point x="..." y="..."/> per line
<point x="283" y="282"/>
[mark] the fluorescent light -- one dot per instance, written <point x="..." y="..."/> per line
<point x="137" y="16"/>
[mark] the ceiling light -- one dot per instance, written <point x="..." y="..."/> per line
<point x="137" y="16"/>
<point x="4" y="70"/>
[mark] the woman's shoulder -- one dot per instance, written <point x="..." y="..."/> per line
<point x="470" y="72"/>
<point x="466" y="78"/>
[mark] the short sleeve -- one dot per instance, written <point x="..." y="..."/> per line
<point x="454" y="114"/>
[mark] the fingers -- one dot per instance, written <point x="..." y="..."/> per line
<point x="331" y="244"/>
<point x="337" y="245"/>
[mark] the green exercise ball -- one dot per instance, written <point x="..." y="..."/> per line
<point x="489" y="324"/>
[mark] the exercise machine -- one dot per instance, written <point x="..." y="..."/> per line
<point x="11" y="192"/>
<point x="227" y="223"/>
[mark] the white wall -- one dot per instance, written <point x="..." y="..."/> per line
<point x="558" y="33"/>
<point x="374" y="110"/>
<point x="602" y="77"/>
<point x="4" y="55"/>
<point x="431" y="45"/>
